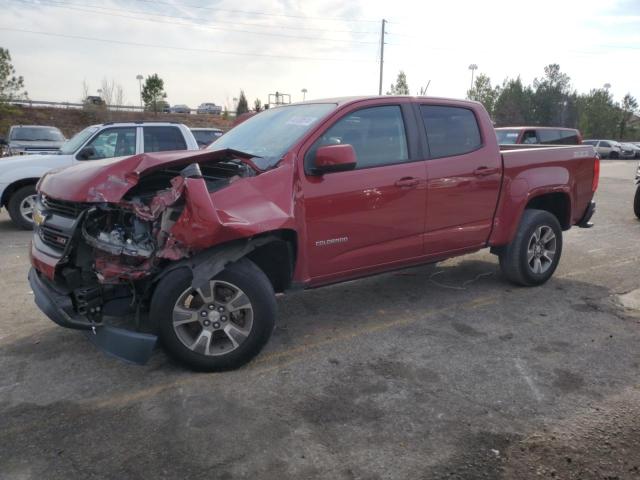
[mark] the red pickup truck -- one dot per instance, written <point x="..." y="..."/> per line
<point x="190" y="247"/>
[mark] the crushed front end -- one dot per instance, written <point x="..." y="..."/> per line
<point x="94" y="262"/>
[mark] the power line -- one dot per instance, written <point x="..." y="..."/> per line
<point x="245" y="12"/>
<point x="298" y="37"/>
<point x="172" y="47"/>
<point x="258" y="25"/>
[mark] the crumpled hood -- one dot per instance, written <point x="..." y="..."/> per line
<point x="110" y="179"/>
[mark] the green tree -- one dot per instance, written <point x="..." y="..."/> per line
<point x="598" y="114"/>
<point x="629" y="108"/>
<point x="513" y="105"/>
<point x="243" y="106"/>
<point x="401" y="86"/>
<point x="153" y="93"/>
<point x="11" y="86"/>
<point x="484" y="93"/>
<point x="257" y="105"/>
<point x="552" y="98"/>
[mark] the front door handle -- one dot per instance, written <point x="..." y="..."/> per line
<point x="406" y="182"/>
<point x="483" y="171"/>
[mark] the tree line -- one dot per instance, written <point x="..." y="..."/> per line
<point x="552" y="101"/>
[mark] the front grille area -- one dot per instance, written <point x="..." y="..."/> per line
<point x="62" y="207"/>
<point x="53" y="237"/>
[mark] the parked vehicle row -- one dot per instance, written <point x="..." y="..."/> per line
<point x="203" y="108"/>
<point x="295" y="197"/>
<point x="20" y="174"/>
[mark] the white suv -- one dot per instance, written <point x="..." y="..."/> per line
<point x="19" y="174"/>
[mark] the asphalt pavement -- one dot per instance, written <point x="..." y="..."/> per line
<point x="431" y="372"/>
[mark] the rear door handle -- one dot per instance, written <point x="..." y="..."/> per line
<point x="407" y="182"/>
<point x="483" y="171"/>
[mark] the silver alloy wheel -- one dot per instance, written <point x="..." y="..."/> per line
<point x="27" y="205"/>
<point x="214" y="320"/>
<point x="541" y="249"/>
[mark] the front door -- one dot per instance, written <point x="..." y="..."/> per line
<point x="371" y="216"/>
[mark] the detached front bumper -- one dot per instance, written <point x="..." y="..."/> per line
<point x="55" y="303"/>
<point x="134" y="347"/>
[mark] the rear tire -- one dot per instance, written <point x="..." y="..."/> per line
<point x="220" y="327"/>
<point x="636" y="202"/>
<point x="533" y="255"/>
<point x="20" y="207"/>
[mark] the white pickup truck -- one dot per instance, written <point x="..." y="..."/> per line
<point x="19" y="174"/>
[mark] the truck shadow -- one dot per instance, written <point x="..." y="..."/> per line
<point x="430" y="295"/>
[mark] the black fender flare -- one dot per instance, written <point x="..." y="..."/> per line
<point x="209" y="263"/>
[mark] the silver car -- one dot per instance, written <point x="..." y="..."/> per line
<point x="33" y="139"/>
<point x="605" y="148"/>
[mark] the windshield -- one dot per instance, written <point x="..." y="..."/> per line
<point x="70" y="146"/>
<point x="40" y="134"/>
<point x="268" y="135"/>
<point x="507" y="137"/>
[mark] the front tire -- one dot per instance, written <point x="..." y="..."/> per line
<point x="221" y="326"/>
<point x="636" y="202"/>
<point x="533" y="255"/>
<point x="21" y="205"/>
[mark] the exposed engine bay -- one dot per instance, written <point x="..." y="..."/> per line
<point x="117" y="248"/>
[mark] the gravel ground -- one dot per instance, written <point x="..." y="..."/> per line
<point x="445" y="372"/>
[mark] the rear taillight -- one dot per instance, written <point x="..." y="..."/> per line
<point x="596" y="174"/>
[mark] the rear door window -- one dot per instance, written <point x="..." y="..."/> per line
<point x="163" y="139"/>
<point x="450" y="130"/>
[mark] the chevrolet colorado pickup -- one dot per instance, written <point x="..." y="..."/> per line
<point x="190" y="247"/>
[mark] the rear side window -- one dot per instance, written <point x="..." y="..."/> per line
<point x="549" y="137"/>
<point x="450" y="130"/>
<point x="376" y="134"/>
<point x="162" y="139"/>
<point x="569" y="137"/>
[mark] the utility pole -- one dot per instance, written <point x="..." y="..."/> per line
<point x="382" y="32"/>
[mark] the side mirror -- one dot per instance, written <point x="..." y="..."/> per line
<point x="335" y="158"/>
<point x="86" y="153"/>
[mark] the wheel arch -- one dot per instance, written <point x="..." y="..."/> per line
<point x="274" y="252"/>
<point x="15" y="186"/>
<point x="556" y="203"/>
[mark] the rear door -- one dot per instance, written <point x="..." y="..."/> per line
<point x="464" y="172"/>
<point x="374" y="215"/>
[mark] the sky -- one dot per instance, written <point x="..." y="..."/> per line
<point x="206" y="51"/>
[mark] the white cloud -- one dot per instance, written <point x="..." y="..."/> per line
<point x="429" y="40"/>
